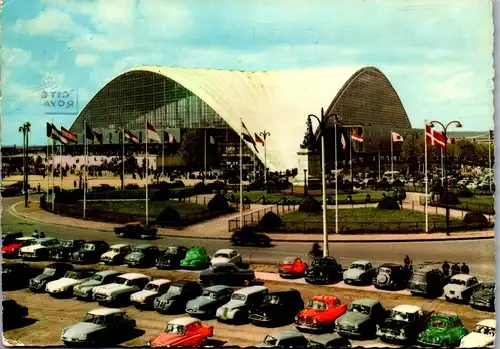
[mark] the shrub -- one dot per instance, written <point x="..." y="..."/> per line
<point x="257" y="185"/>
<point x="310" y="205"/>
<point x="132" y="186"/>
<point x="68" y="197"/>
<point x="270" y="220"/>
<point x="217" y="185"/>
<point x="475" y="217"/>
<point x="162" y="194"/>
<point x="388" y="203"/>
<point x="449" y="198"/>
<point x="465" y="193"/>
<point x="178" y="184"/>
<point x="168" y="214"/>
<point x="398" y="183"/>
<point x="201" y="188"/>
<point x="218" y="203"/>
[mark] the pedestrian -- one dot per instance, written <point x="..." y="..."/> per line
<point x="38" y="187"/>
<point x="35" y="234"/>
<point x="446" y="268"/>
<point x="464" y="269"/>
<point x="74" y="183"/>
<point x="368" y="198"/>
<point x="455" y="269"/>
<point x="42" y="234"/>
<point x="407" y="262"/>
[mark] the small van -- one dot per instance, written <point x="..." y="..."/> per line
<point x="236" y="310"/>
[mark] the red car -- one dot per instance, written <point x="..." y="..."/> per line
<point x="12" y="250"/>
<point x="320" y="313"/>
<point x="292" y="267"/>
<point x="183" y="332"/>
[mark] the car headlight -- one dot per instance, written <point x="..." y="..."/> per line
<point x="296" y="318"/>
<point x="403" y="332"/>
<point x="435" y="339"/>
<point x="315" y="321"/>
<point x="148" y="343"/>
<point x="378" y="327"/>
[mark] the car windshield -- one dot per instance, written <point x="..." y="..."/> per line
<point x="73" y="275"/>
<point x="385" y="270"/>
<point x="171" y="250"/>
<point x="238" y="297"/>
<point x="357" y="266"/>
<point x="313" y="344"/>
<point x="317" y="305"/>
<point x="272" y="298"/>
<point x="115" y="249"/>
<point x="138" y="249"/>
<point x="489" y="331"/>
<point x="489" y="287"/>
<point x="49" y="271"/>
<point x="151" y="287"/>
<point x="121" y="281"/>
<point x="289" y="260"/>
<point x="401" y="316"/>
<point x="270" y="340"/>
<point x="418" y="277"/>
<point x="439" y="323"/>
<point x="67" y="243"/>
<point x="88" y="247"/>
<point x="23" y="242"/>
<point x="210" y="294"/>
<point x="44" y="243"/>
<point x="174" y="289"/>
<point x="175" y="329"/>
<point x="94" y="319"/>
<point x="457" y="282"/>
<point x="359" y="308"/>
<point x="221" y="255"/>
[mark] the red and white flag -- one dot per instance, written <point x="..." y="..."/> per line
<point x="258" y="139"/>
<point x="356" y="137"/>
<point x="130" y="136"/>
<point x="247" y="136"/>
<point x="342" y="140"/>
<point x="151" y="133"/>
<point x="433" y="137"/>
<point x="71" y="136"/>
<point x="396" y="137"/>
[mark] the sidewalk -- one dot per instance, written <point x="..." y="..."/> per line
<point x="217" y="229"/>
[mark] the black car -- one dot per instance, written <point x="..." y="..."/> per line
<point x="65" y="250"/>
<point x="248" y="236"/>
<point x="226" y="274"/>
<point x="51" y="272"/>
<point x="171" y="257"/>
<point x="16" y="275"/>
<point x="12" y="311"/>
<point x="9" y="238"/>
<point x="404" y="324"/>
<point x="428" y="282"/>
<point x="323" y="270"/>
<point x="90" y="252"/>
<point x="142" y="256"/>
<point x="484" y="297"/>
<point x="136" y="230"/>
<point x="177" y="296"/>
<point x="329" y="340"/>
<point x="277" y="308"/>
<point x="392" y="276"/>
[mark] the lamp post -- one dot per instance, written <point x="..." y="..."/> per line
<point x="25" y="129"/>
<point x="322" y="124"/>
<point x="445" y="130"/>
<point x="305" y="183"/>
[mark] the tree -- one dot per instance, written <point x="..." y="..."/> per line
<point x="191" y="143"/>
<point x="307" y="143"/>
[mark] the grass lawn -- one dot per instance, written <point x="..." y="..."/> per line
<point x="273" y="197"/>
<point x="138" y="207"/>
<point x="481" y="200"/>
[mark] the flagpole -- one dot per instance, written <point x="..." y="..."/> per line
<point x="47" y="168"/>
<point x="241" y="174"/>
<point x="123" y="158"/>
<point x="53" y="170"/>
<point x="265" y="160"/>
<point x="379" y="163"/>
<point x="85" y="171"/>
<point x="163" y="155"/>
<point x="489" y="155"/>
<point x="442" y="167"/>
<point x="60" y="151"/>
<point x="392" y="160"/>
<point x="205" y="156"/>
<point x="426" y="185"/>
<point x="350" y="159"/>
<point x="147" y="172"/>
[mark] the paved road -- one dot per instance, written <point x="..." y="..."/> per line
<point x="479" y="254"/>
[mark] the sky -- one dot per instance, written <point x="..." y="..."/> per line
<point x="438" y="54"/>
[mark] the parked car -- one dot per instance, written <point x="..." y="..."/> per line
<point x="226" y="255"/>
<point x="291" y="268"/>
<point x="284" y="339"/>
<point x="65" y="250"/>
<point x="250" y="237"/>
<point x="442" y="331"/>
<point x="51" y="272"/>
<point x="183" y="332"/>
<point x="428" y="282"/>
<point x="404" y="324"/>
<point x="329" y="340"/>
<point x="136" y="230"/>
<point x="12" y="250"/>
<point x="320" y="313"/>
<point x="121" y="289"/>
<point x="116" y="254"/>
<point x="483" y="335"/>
<point x="142" y="256"/>
<point x="83" y="290"/>
<point x="39" y="249"/>
<point x="64" y="286"/>
<point x="359" y="272"/>
<point x="484" y="297"/>
<point x="153" y="289"/>
<point x="99" y="327"/>
<point x="277" y="308"/>
<point x="212" y="298"/>
<point x="171" y="257"/>
<point x="9" y="238"/>
<point x="392" y="276"/>
<point x="461" y="287"/>
<point x="226" y="274"/>
<point x="236" y="309"/>
<point x="90" y="252"/>
<point x="179" y="293"/>
<point x="12" y="312"/>
<point x="361" y="318"/>
<point x="16" y="275"/>
<point x="323" y="270"/>
<point x="196" y="258"/>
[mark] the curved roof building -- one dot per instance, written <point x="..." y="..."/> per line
<point x="275" y="101"/>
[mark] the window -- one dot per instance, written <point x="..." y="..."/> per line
<point x="337" y="302"/>
<point x="110" y="138"/>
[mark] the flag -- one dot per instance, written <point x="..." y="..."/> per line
<point x="168" y="137"/>
<point x="342" y="140"/>
<point x="151" y="133"/>
<point x="212" y="140"/>
<point x="356" y="137"/>
<point x="258" y="139"/>
<point x="71" y="136"/>
<point x="97" y="138"/>
<point x="433" y="137"/>
<point x="55" y="134"/>
<point x="89" y="134"/>
<point x="247" y="136"/>
<point x="396" y="137"/>
<point x="132" y="137"/>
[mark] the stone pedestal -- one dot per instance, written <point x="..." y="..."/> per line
<point x="311" y="162"/>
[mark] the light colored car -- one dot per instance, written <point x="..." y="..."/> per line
<point x="121" y="289"/>
<point x="39" y="249"/>
<point x="84" y="290"/>
<point x="284" y="339"/>
<point x="237" y="308"/>
<point x="226" y="255"/>
<point x="461" y="287"/>
<point x="152" y="290"/>
<point x="64" y="285"/>
<point x="359" y="272"/>
<point x="483" y="335"/>
<point x="116" y="254"/>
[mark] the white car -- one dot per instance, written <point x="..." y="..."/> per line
<point x="152" y="290"/>
<point x="226" y="255"/>
<point x="483" y="335"/>
<point x="237" y="308"/>
<point x="461" y="287"/>
<point x="64" y="286"/>
<point x="116" y="254"/>
<point x="121" y="289"/>
<point x="39" y="249"/>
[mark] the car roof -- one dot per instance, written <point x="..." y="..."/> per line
<point x="217" y="288"/>
<point x="488" y="322"/>
<point x="143" y="246"/>
<point x="325" y="337"/>
<point x="251" y="289"/>
<point x="286" y="334"/>
<point x="361" y="261"/>
<point x="406" y="308"/>
<point x="390" y="265"/>
<point x="119" y="245"/>
<point x="324" y="298"/>
<point x="108" y="272"/>
<point x="105" y="311"/>
<point x="426" y="269"/>
<point x="96" y="242"/>
<point x="45" y="239"/>
<point x="132" y="276"/>
<point x="463" y="277"/>
<point x="367" y="302"/>
<point x="184" y="321"/>
<point x="25" y="238"/>
<point x="160" y="282"/>
<point x="224" y="250"/>
<point x="182" y="282"/>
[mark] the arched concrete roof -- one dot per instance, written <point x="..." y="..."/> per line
<point x="275" y="101"/>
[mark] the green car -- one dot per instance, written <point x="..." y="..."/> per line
<point x="196" y="258"/>
<point x="442" y="331"/>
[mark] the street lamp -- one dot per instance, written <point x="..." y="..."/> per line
<point x="322" y="124"/>
<point x="25" y="129"/>
<point x="445" y="129"/>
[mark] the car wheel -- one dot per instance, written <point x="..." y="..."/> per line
<point x="445" y="344"/>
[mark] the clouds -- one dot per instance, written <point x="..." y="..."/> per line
<point x="84" y="59"/>
<point x="50" y="22"/>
